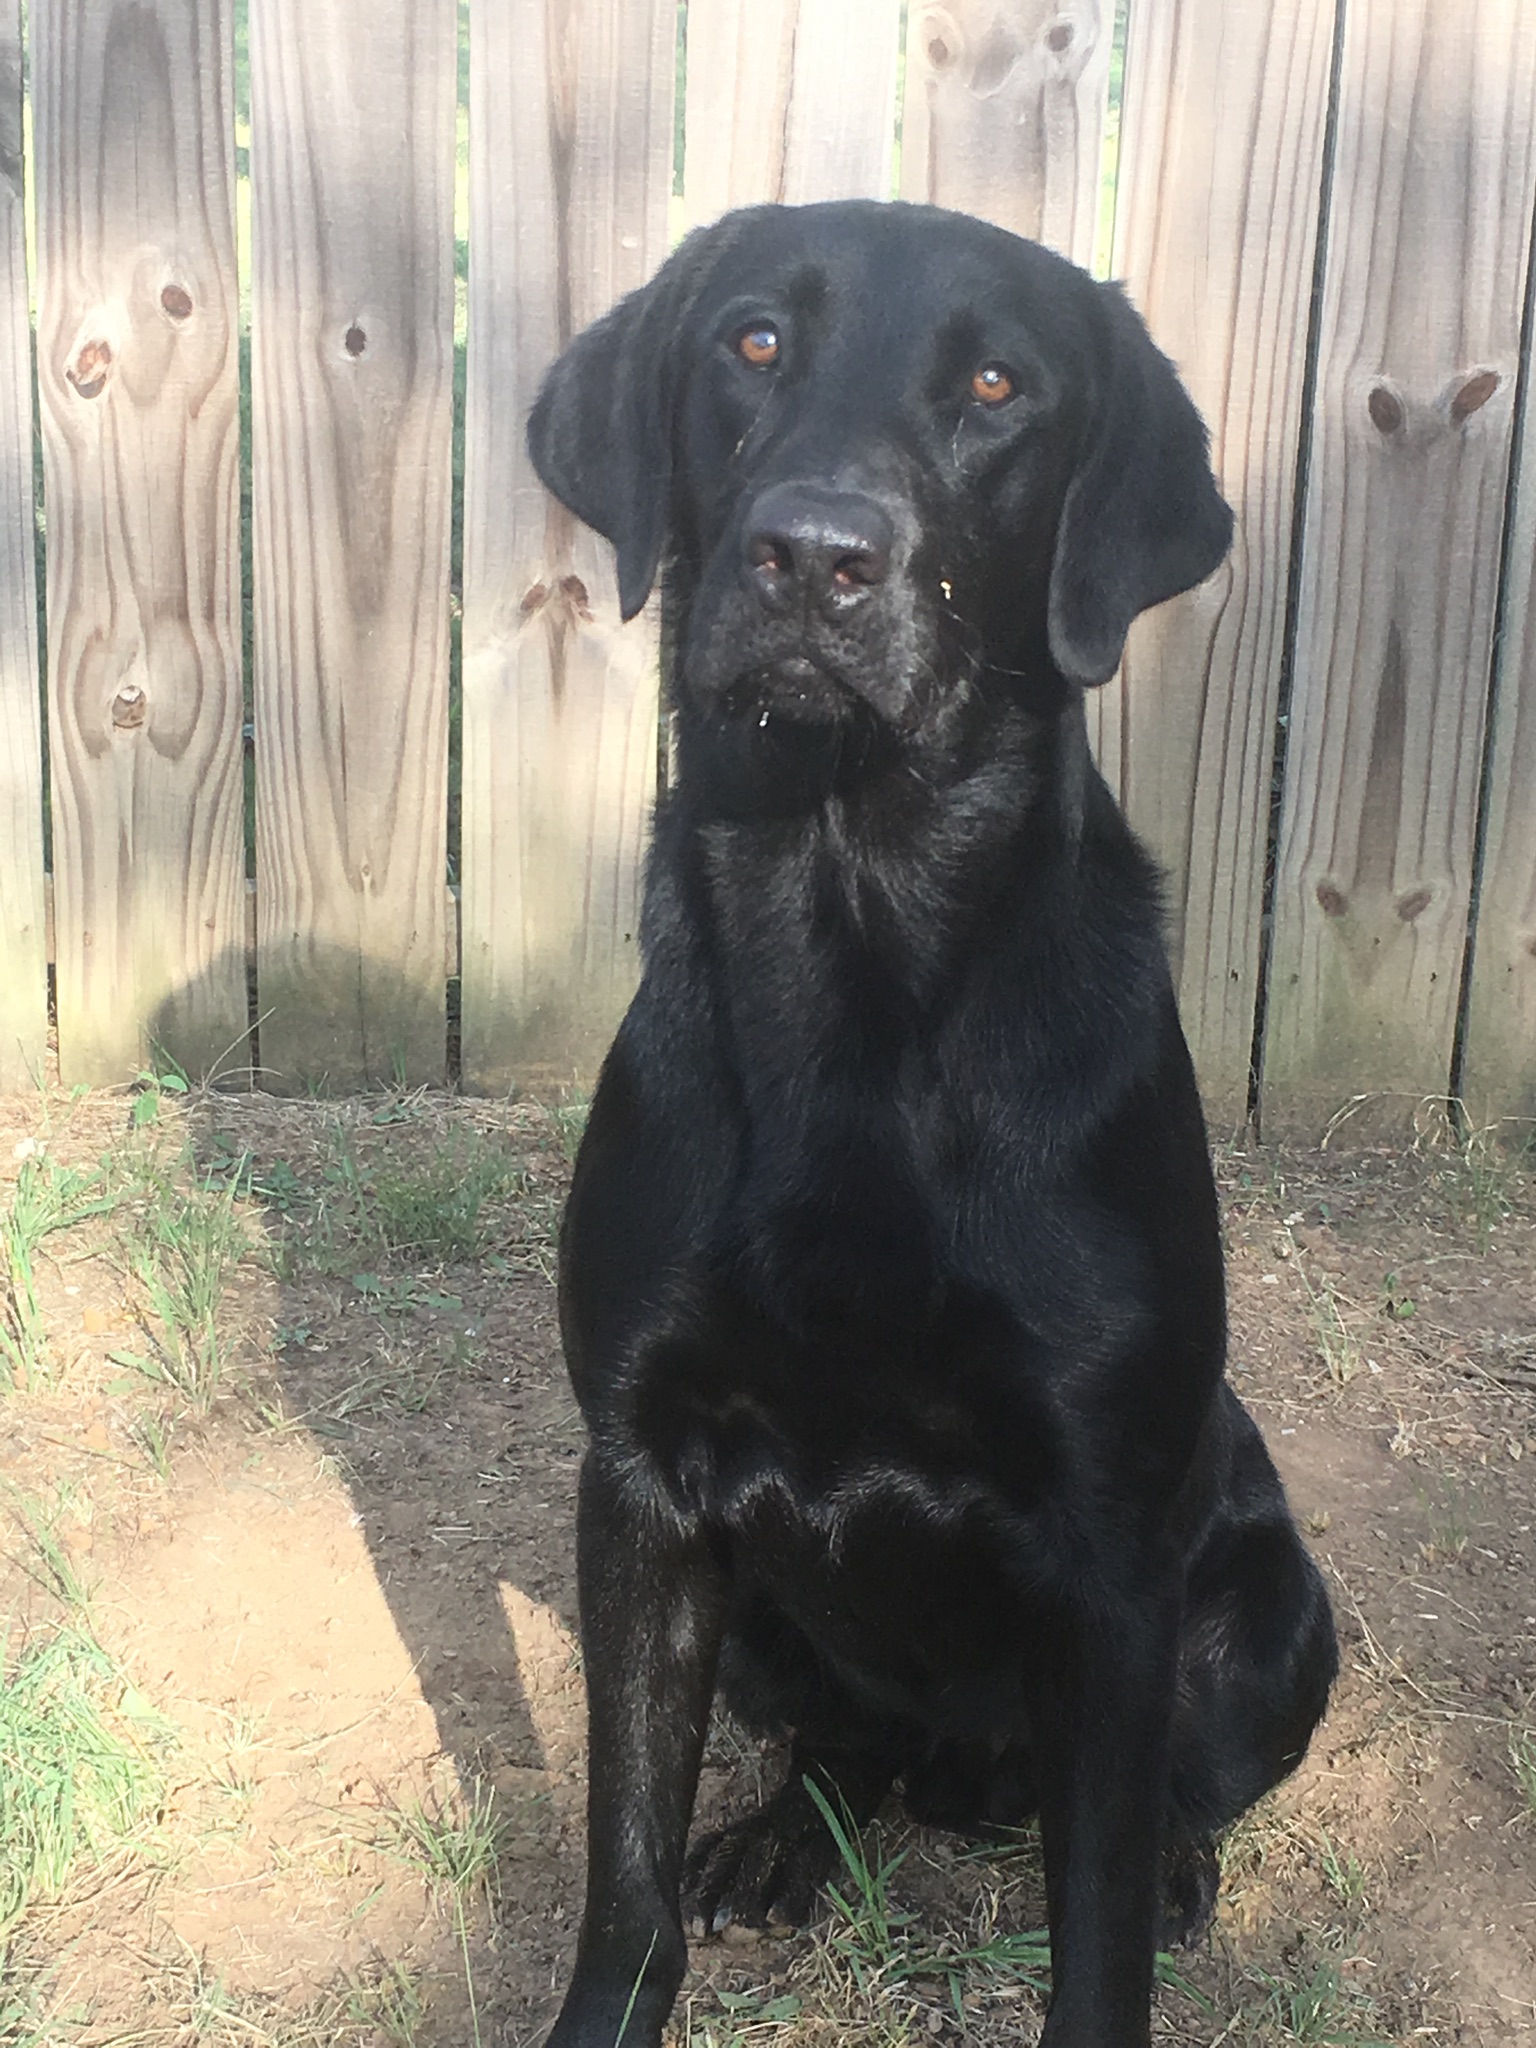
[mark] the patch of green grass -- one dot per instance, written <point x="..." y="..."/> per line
<point x="78" y="1771"/>
<point x="1522" y="1761"/>
<point x="1343" y="1873"/>
<point x="395" y="1198"/>
<point x="877" y="1942"/>
<point x="46" y="1559"/>
<point x="439" y="1207"/>
<point x="1485" y="1176"/>
<point x="190" y="1239"/>
<point x="1313" y="2007"/>
<point x="570" y="1121"/>
<point x="1450" y="1528"/>
<point x="46" y="1198"/>
<point x="457" y="1852"/>
<point x="1336" y="1341"/>
<point x="391" y="2006"/>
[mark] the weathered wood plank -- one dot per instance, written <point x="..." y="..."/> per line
<point x="791" y="100"/>
<point x="1428" y="240"/>
<point x="24" y="980"/>
<point x="1215" y="238"/>
<point x="1004" y="114"/>
<point x="1498" y="1077"/>
<point x="570" y="172"/>
<point x="137" y="382"/>
<point x="352" y="140"/>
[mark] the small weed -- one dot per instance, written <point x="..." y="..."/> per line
<point x="1397" y="1304"/>
<point x="1343" y="1873"/>
<point x="152" y="1432"/>
<point x="277" y="1185"/>
<point x="151" y="1088"/>
<point x="874" y="1939"/>
<point x="1483" y="1179"/>
<point x="47" y="1561"/>
<point x="1522" y="1761"/>
<point x="457" y="1854"/>
<point x="740" y="2017"/>
<point x="77" y="1773"/>
<point x="1335" y="1340"/>
<point x="570" y="1122"/>
<point x="392" y="2006"/>
<point x="398" y="1295"/>
<point x="1450" y="1529"/>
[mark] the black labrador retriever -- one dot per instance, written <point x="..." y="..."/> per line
<point x="891" y="1278"/>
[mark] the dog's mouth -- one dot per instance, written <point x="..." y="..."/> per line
<point x="795" y="691"/>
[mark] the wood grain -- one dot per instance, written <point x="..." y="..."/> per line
<point x="570" y="172"/>
<point x="137" y="383"/>
<point x="1215" y="238"/>
<point x="1428" y="240"/>
<point x="1004" y="114"/>
<point x="791" y="101"/>
<point x="24" y="982"/>
<point x="352" y="138"/>
<point x="1498" y="1078"/>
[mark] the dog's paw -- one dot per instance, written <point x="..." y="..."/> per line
<point x="764" y="1870"/>
<point x="1191" y="1878"/>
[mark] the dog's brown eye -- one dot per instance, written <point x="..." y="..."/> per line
<point x="759" y="346"/>
<point x="992" y="384"/>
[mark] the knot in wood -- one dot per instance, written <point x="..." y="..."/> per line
<point x="574" y="591"/>
<point x="176" y="300"/>
<point x="130" y="706"/>
<point x="1385" y="408"/>
<point x="91" y="368"/>
<point x="1060" y="36"/>
<point x="1414" y="904"/>
<point x="354" y="341"/>
<point x="1331" y="899"/>
<point x="1474" y="394"/>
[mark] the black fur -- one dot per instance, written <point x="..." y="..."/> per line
<point x="891" y="1278"/>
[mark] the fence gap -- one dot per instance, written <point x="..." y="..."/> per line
<point x="23" y="985"/>
<point x="1493" y="1063"/>
<point x="1280" y="751"/>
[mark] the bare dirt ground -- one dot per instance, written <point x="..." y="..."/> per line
<point x="319" y="1519"/>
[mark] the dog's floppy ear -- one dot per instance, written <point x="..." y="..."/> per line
<point x="600" y="432"/>
<point x="1143" y="518"/>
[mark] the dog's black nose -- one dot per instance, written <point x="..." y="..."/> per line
<point x="809" y="546"/>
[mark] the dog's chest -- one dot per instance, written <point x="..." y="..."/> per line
<point x="862" y="1473"/>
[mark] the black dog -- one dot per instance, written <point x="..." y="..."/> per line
<point x="892" y="1287"/>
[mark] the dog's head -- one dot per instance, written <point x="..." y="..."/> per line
<point x="884" y="450"/>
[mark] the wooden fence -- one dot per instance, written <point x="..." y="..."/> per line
<point x="1324" y="208"/>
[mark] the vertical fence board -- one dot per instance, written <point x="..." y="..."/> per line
<point x="23" y="984"/>
<point x="137" y="380"/>
<point x="570" y="171"/>
<point x="1428" y="237"/>
<point x="1003" y="114"/>
<point x="352" y="138"/>
<point x="792" y="100"/>
<point x="1215" y="238"/>
<point x="1499" y="1059"/>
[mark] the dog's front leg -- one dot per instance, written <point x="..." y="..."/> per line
<point x="1101" y="1726"/>
<point x="650" y="1631"/>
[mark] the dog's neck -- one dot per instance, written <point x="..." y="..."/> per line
<point x="891" y="882"/>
